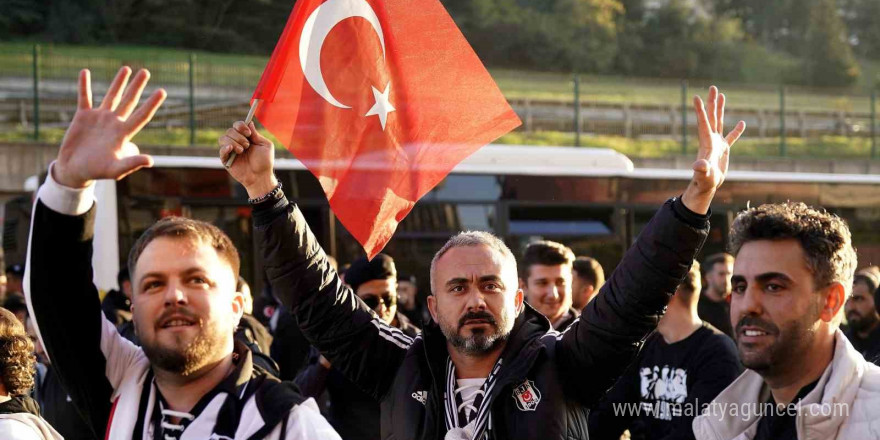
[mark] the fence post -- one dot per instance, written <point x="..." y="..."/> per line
<point x="192" y="99"/>
<point x="36" y="92"/>
<point x="577" y="111"/>
<point x="782" y="146"/>
<point x="874" y="123"/>
<point x="684" y="118"/>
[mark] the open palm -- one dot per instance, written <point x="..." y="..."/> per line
<point x="98" y="143"/>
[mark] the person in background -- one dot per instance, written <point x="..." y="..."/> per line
<point x="56" y="406"/>
<point x="19" y="414"/>
<point x="793" y="272"/>
<point x="587" y="278"/>
<point x="18" y="306"/>
<point x="545" y="278"/>
<point x="253" y="334"/>
<point x="861" y="314"/>
<point x="353" y="413"/>
<point x="408" y="299"/>
<point x="685" y="362"/>
<point x="714" y="306"/>
<point x="14" y="280"/>
<point x="117" y="303"/>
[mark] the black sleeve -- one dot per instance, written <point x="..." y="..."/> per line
<point x="312" y="380"/>
<point x="334" y="320"/>
<point x="614" y="413"/>
<point x="85" y="349"/>
<point x="597" y="347"/>
<point x="289" y="347"/>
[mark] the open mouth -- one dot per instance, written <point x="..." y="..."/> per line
<point x="177" y="322"/>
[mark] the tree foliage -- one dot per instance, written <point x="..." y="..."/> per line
<point x="738" y="40"/>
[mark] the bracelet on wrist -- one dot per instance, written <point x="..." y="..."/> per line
<point x="267" y="196"/>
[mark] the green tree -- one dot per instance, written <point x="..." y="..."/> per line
<point x="829" y="59"/>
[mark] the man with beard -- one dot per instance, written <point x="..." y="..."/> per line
<point x="190" y="380"/>
<point x="862" y="316"/>
<point x="545" y="279"/>
<point x="489" y="365"/>
<point x="794" y="269"/>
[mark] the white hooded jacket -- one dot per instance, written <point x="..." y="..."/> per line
<point x="845" y="404"/>
<point x="25" y="426"/>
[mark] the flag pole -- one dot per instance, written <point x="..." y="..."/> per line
<point x="247" y="121"/>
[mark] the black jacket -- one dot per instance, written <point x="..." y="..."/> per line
<point x="561" y="374"/>
<point x="353" y="413"/>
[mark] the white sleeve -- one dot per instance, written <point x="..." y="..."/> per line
<point x="306" y="422"/>
<point x="66" y="200"/>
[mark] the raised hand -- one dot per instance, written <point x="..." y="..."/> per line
<point x="710" y="169"/>
<point x="98" y="143"/>
<point x="253" y="167"/>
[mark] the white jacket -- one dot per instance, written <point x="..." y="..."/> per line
<point x="845" y="404"/>
<point x="26" y="426"/>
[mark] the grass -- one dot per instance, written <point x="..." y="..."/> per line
<point x="827" y="147"/>
<point x="171" y="67"/>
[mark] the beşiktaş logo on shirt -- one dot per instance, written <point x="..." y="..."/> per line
<point x="527" y="396"/>
<point x="663" y="391"/>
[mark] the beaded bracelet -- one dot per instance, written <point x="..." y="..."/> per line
<point x="267" y="196"/>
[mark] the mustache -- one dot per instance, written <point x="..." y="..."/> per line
<point x="752" y="321"/>
<point x="483" y="316"/>
<point x="177" y="311"/>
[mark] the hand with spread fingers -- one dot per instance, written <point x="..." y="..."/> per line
<point x="253" y="167"/>
<point x="710" y="169"/>
<point x="98" y="144"/>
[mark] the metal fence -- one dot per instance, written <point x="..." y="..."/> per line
<point x="38" y="97"/>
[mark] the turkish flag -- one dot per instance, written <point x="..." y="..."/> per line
<point x="379" y="100"/>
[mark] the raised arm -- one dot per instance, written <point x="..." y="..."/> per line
<point x="596" y="348"/>
<point x="87" y="352"/>
<point x="333" y="319"/>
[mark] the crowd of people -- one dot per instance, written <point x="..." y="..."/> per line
<point x="774" y="340"/>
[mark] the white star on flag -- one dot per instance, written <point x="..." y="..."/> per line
<point x="382" y="106"/>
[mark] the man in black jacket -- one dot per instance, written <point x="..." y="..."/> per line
<point x="489" y="366"/>
<point x="353" y="413"/>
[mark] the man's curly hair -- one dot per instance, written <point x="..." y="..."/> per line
<point x="17" y="360"/>
<point x="825" y="238"/>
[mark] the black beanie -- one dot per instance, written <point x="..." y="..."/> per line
<point x="363" y="270"/>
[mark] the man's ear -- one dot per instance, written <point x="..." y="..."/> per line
<point x="432" y="307"/>
<point x="834" y="298"/>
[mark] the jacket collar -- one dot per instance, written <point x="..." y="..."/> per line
<point x="522" y="349"/>
<point x="20" y="404"/>
<point x="836" y="388"/>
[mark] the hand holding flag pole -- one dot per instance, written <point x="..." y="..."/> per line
<point x="247" y="121"/>
<point x="378" y="109"/>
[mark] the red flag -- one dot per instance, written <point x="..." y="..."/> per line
<point x="379" y="100"/>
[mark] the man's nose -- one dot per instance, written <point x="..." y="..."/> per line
<point x="749" y="303"/>
<point x="476" y="300"/>
<point x="174" y="294"/>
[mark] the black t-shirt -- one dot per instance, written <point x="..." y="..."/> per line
<point x="869" y="347"/>
<point x="715" y="313"/>
<point x="780" y="424"/>
<point x="667" y="386"/>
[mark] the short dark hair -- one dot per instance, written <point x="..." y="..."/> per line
<point x="721" y="257"/>
<point x="548" y="253"/>
<point x="824" y="238"/>
<point x="867" y="277"/>
<point x="189" y="229"/>
<point x="590" y="270"/>
<point x="17" y="361"/>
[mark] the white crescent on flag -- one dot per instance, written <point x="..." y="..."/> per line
<point x="315" y="31"/>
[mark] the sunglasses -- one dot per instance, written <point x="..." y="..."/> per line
<point x="374" y="301"/>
